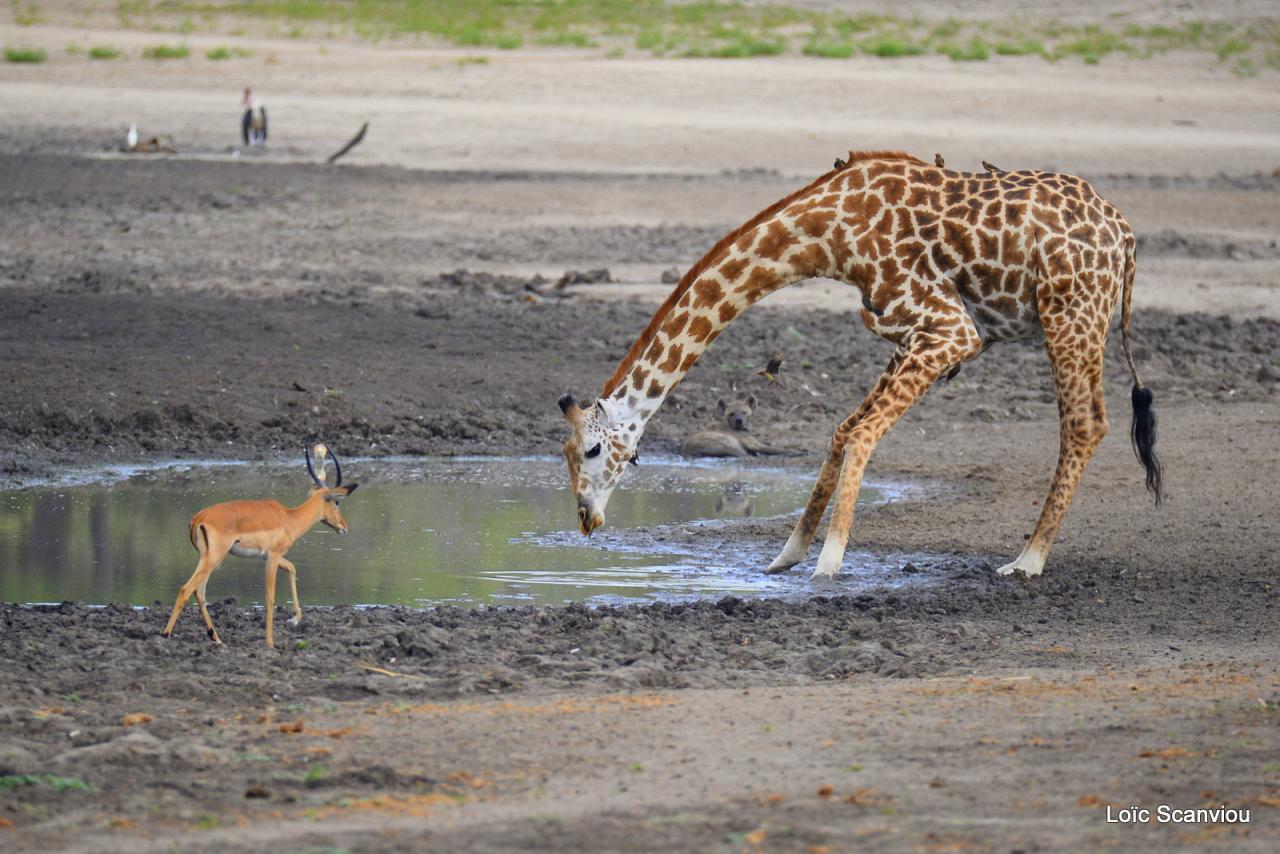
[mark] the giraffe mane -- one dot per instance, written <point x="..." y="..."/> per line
<point x="691" y="275"/>
<point x="857" y="156"/>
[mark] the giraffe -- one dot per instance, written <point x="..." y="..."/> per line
<point x="947" y="263"/>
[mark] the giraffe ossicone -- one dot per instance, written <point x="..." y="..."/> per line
<point x="947" y="263"/>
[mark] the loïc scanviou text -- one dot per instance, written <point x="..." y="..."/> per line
<point x="1165" y="814"/>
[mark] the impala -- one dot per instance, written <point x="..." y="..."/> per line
<point x="263" y="529"/>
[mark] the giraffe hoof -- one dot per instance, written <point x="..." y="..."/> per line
<point x="779" y="566"/>
<point x="826" y="569"/>
<point x="295" y="621"/>
<point x="1029" y="568"/>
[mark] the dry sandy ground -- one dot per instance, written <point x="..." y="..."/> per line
<point x="160" y="308"/>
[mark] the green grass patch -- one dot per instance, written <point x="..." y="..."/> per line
<point x="222" y="52"/>
<point x="830" y="50"/>
<point x="104" y="51"/>
<point x="746" y="46"/>
<point x="715" y="28"/>
<point x="25" y="15"/>
<point x="166" y="51"/>
<point x="973" y="51"/>
<point x="58" y="784"/>
<point x="26" y="55"/>
<point x="1232" y="47"/>
<point x="472" y="60"/>
<point x="891" y="47"/>
<point x="859" y="24"/>
<point x="649" y="39"/>
<point x="567" y="38"/>
<point x="1019" y="47"/>
<point x="1091" y="44"/>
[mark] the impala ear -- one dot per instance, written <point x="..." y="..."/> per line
<point x="340" y="492"/>
<point x="720" y="405"/>
<point x="751" y="401"/>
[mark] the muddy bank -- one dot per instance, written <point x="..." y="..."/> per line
<point x="127" y="377"/>
<point x="963" y="616"/>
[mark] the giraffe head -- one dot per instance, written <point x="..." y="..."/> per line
<point x="597" y="454"/>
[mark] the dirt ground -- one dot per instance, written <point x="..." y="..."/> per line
<point x="406" y="302"/>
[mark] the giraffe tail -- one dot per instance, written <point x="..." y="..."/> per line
<point x="1142" y="430"/>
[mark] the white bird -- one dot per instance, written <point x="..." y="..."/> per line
<point x="131" y="138"/>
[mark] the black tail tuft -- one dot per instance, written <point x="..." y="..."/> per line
<point x="1143" y="434"/>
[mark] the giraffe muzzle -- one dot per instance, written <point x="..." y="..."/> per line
<point x="588" y="519"/>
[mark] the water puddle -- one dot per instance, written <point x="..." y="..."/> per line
<point x="463" y="531"/>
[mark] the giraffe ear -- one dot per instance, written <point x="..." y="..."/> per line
<point x="603" y="413"/>
<point x="572" y="412"/>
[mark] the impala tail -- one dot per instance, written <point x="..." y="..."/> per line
<point x="1142" y="431"/>
<point x="198" y="533"/>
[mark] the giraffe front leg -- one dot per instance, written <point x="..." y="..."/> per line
<point x="857" y="452"/>
<point x="802" y="535"/>
<point x="912" y="372"/>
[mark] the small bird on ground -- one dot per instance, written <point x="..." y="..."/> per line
<point x="253" y="123"/>
<point x="773" y="369"/>
<point x="131" y="138"/>
<point x="991" y="167"/>
<point x="939" y="162"/>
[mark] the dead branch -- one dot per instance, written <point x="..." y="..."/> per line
<point x="355" y="140"/>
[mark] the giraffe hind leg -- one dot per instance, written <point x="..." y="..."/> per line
<point x="1077" y="375"/>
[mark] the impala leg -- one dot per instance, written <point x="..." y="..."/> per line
<point x="924" y="357"/>
<point x="272" y="564"/>
<point x="1077" y="377"/>
<point x="293" y="590"/>
<point x="802" y="535"/>
<point x="204" y="569"/>
<point x="204" y="611"/>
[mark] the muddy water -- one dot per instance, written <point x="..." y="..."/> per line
<point x="462" y="531"/>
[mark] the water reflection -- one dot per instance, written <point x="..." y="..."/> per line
<point x="421" y="532"/>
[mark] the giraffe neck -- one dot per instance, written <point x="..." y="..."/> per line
<point x="761" y="260"/>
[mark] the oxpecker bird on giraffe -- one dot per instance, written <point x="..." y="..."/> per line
<point x="947" y="264"/>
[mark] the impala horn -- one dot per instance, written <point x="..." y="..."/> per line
<point x="337" y="470"/>
<point x="311" y="469"/>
